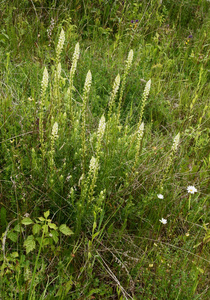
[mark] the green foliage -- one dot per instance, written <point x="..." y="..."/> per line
<point x="97" y="150"/>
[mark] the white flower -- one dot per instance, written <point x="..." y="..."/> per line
<point x="88" y="81"/>
<point x="44" y="83"/>
<point x="101" y="127"/>
<point x="176" y="142"/>
<point x="191" y="189"/>
<point x="163" y="221"/>
<point x="93" y="164"/>
<point x="61" y="41"/>
<point x="147" y="89"/>
<point x="141" y="131"/>
<point x="160" y="196"/>
<point x="55" y="130"/>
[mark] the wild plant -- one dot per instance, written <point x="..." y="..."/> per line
<point x="127" y="68"/>
<point x="71" y="77"/>
<point x="86" y="91"/>
<point x="113" y="95"/>
<point x="54" y="136"/>
<point x="169" y="160"/>
<point x="144" y="99"/>
<point x="57" y="71"/>
<point x="44" y="85"/>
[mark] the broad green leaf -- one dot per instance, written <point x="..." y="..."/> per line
<point x="41" y="219"/>
<point x="27" y="221"/>
<point x="17" y="228"/>
<point x="36" y="228"/>
<point x="29" y="244"/>
<point x="46" y="241"/>
<point x="46" y="214"/>
<point x="14" y="254"/>
<point x="45" y="228"/>
<point x="13" y="236"/>
<point x="52" y="226"/>
<point x="65" y="229"/>
<point x="54" y="235"/>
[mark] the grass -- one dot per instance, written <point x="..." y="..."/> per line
<point x="88" y="143"/>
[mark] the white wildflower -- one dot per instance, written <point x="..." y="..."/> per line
<point x="191" y="189"/>
<point x="44" y="83"/>
<point x="146" y="90"/>
<point x="88" y="81"/>
<point x="176" y="142"/>
<point x="59" y="71"/>
<point x="55" y="130"/>
<point x="61" y="41"/>
<point x="74" y="60"/>
<point x="163" y="221"/>
<point x="160" y="196"/>
<point x="130" y="58"/>
<point x="140" y="131"/>
<point x="93" y="164"/>
<point x="101" y="127"/>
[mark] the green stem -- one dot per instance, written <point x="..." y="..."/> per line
<point x="35" y="268"/>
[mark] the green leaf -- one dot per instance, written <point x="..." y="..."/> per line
<point x="65" y="229"/>
<point x="27" y="221"/>
<point x="36" y="228"/>
<point x="46" y="214"/>
<point x="45" y="228"/>
<point x="14" y="254"/>
<point x="95" y="235"/>
<point x="46" y="241"/>
<point x="54" y="235"/>
<point x="17" y="228"/>
<point x="13" y="236"/>
<point x="42" y="219"/>
<point x="29" y="244"/>
<point x="52" y="226"/>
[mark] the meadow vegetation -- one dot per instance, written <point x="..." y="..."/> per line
<point x="104" y="149"/>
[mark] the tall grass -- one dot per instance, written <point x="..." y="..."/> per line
<point x="101" y="146"/>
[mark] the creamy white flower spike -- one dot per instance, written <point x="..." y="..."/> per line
<point x="93" y="164"/>
<point x="163" y="221"/>
<point x="59" y="71"/>
<point x="88" y="82"/>
<point x="130" y="58"/>
<point x="44" y="83"/>
<point x="101" y="127"/>
<point x="191" y="189"/>
<point x="140" y="131"/>
<point x="116" y="84"/>
<point x="55" y="130"/>
<point x="176" y="142"/>
<point x="75" y="59"/>
<point x="146" y="90"/>
<point x="61" y="41"/>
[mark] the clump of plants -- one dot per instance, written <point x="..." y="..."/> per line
<point x="82" y="189"/>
